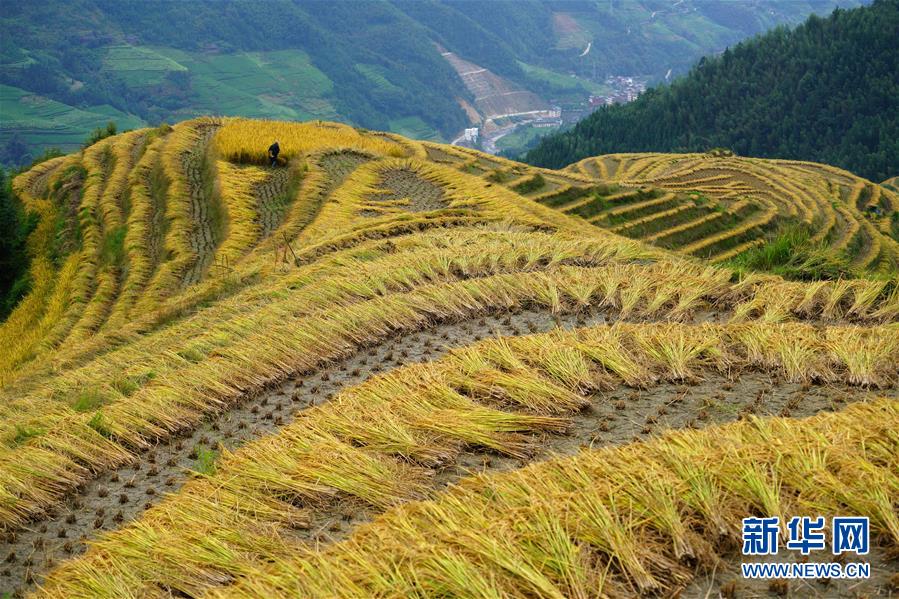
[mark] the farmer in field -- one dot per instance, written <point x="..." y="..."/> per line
<point x="273" y="151"/>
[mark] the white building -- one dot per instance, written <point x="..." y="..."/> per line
<point x="471" y="135"/>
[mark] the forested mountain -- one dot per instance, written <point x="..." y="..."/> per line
<point x="67" y="67"/>
<point x="827" y="91"/>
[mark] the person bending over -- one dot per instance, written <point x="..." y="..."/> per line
<point x="273" y="151"/>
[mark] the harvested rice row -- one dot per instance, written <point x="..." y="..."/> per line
<point x="319" y="180"/>
<point x="871" y="248"/>
<point x="271" y="319"/>
<point x="556" y="190"/>
<point x="856" y="193"/>
<point x="776" y="301"/>
<point x="621" y="210"/>
<point x="251" y="270"/>
<point x="244" y="227"/>
<point x="176" y="243"/>
<point x="35" y="316"/>
<point x="696" y="222"/>
<point x="145" y="234"/>
<point x="250" y="358"/>
<point x="505" y="209"/>
<point x="97" y="162"/>
<point x="614" y="522"/>
<point x="793" y="190"/>
<point x="387" y="274"/>
<point x="761" y="220"/>
<point x="738" y="249"/>
<point x="234" y="359"/>
<point x="824" y="230"/>
<point x="111" y="208"/>
<point x="590" y="168"/>
<point x="373" y="443"/>
<point x="848" y="232"/>
<point x="165" y="412"/>
<point x="31" y="185"/>
<point x="663" y="214"/>
<point x="40" y="312"/>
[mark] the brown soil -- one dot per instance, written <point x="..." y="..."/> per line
<point x="271" y="196"/>
<point x="406" y="185"/>
<point x="549" y="185"/>
<point x="438" y="155"/>
<point x="202" y="236"/>
<point x="591" y="169"/>
<point x="339" y="165"/>
<point x="727" y="581"/>
<point x="621" y="416"/>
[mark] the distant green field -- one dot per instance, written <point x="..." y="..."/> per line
<point x="278" y="85"/>
<point x="415" y="128"/>
<point x="568" y="83"/>
<point x="520" y="139"/>
<point x="139" y="66"/>
<point x="44" y="123"/>
<point x="281" y="85"/>
<point x="377" y="75"/>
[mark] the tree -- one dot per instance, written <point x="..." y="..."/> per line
<point x="15" y="225"/>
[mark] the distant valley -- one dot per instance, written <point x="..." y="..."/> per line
<point x="67" y="68"/>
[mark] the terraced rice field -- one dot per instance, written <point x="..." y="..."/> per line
<point x="744" y="199"/>
<point x="393" y="368"/>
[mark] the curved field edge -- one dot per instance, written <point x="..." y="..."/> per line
<point x="322" y="220"/>
<point x="848" y="215"/>
<point x="122" y="494"/>
<point x="658" y="508"/>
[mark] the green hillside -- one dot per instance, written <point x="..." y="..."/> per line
<point x="827" y="91"/>
<point x="32" y="120"/>
<point x="373" y="64"/>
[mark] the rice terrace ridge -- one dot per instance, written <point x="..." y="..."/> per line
<point x="396" y="368"/>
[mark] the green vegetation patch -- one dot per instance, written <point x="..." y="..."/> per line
<point x="139" y="65"/>
<point x="33" y="121"/>
<point x="415" y="128"/>
<point x="283" y="84"/>
<point x="792" y="255"/>
<point x="88" y="400"/>
<point x="522" y="139"/>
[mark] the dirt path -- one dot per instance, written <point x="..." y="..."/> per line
<point x="272" y="201"/>
<point x="202" y="233"/>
